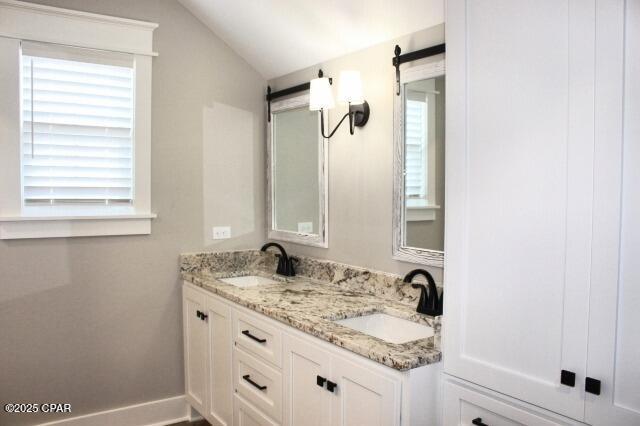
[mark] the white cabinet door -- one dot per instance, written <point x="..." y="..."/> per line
<point x="220" y="404"/>
<point x="520" y="153"/>
<point x="363" y="396"/>
<point x="195" y="348"/>
<point x="614" y="326"/>
<point x="305" y="369"/>
<point x="245" y="414"/>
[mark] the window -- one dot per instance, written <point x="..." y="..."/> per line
<point x="421" y="99"/>
<point x="77" y="127"/>
<point x="75" y="123"/>
<point x="416" y="149"/>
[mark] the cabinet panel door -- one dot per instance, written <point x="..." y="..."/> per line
<point x="463" y="404"/>
<point x="363" y="397"/>
<point x="614" y="326"/>
<point x="195" y="348"/>
<point x="245" y="414"/>
<point x="520" y="106"/>
<point x="220" y="373"/>
<point x="306" y="402"/>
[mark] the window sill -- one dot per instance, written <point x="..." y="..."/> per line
<point x="421" y="212"/>
<point x="43" y="226"/>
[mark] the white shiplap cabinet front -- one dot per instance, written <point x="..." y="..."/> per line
<point x="526" y="85"/>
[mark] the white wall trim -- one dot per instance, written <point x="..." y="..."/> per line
<point x="153" y="413"/>
<point x="57" y="227"/>
<point x="34" y="22"/>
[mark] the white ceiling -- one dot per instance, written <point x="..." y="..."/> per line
<point x="281" y="36"/>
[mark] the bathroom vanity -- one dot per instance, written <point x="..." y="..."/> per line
<point x="265" y="350"/>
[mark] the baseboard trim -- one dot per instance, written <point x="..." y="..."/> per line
<point x="153" y="413"/>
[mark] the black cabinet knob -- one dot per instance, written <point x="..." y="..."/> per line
<point x="331" y="386"/>
<point x="199" y="314"/>
<point x="478" y="422"/>
<point x="320" y="381"/>
<point x="568" y="378"/>
<point x="592" y="386"/>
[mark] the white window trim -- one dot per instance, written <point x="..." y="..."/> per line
<point x="21" y="21"/>
<point x="420" y="210"/>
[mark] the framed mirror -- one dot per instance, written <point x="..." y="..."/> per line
<point x="419" y="153"/>
<point x="297" y="208"/>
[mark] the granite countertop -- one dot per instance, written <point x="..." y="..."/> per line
<point x="310" y="306"/>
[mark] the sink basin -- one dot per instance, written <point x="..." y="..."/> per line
<point x="249" y="281"/>
<point x="388" y="328"/>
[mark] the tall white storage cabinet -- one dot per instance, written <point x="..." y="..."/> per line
<point x="538" y="277"/>
<point x="614" y="308"/>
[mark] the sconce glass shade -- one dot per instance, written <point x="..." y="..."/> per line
<point x="350" y="89"/>
<point x="320" y="96"/>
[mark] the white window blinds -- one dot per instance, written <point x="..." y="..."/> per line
<point x="415" y="149"/>
<point x="77" y="126"/>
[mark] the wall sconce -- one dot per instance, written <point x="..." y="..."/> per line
<point x="349" y="91"/>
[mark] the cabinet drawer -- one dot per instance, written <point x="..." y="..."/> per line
<point x="258" y="337"/>
<point x="464" y="405"/>
<point x="245" y="414"/>
<point x="258" y="383"/>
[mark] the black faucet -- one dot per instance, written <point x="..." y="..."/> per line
<point x="429" y="304"/>
<point x="285" y="263"/>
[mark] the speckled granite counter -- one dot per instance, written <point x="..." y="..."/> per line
<point x="310" y="304"/>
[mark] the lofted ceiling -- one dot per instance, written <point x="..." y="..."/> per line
<point x="281" y="36"/>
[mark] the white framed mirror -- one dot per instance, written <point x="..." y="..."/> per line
<point x="297" y="175"/>
<point x="419" y="153"/>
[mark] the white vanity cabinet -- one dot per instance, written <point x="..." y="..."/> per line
<point x="243" y="368"/>
<point x="195" y="347"/>
<point x="543" y="229"/>
<point x="364" y="397"/>
<point x="207" y="355"/>
<point x="308" y="368"/>
<point x="325" y="389"/>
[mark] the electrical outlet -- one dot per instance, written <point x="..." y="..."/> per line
<point x="305" y="227"/>
<point x="221" y="232"/>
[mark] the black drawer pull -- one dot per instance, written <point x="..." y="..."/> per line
<point x="320" y="381"/>
<point x="247" y="377"/>
<point x="199" y="314"/>
<point x="251" y="336"/>
<point x="478" y="422"/>
<point x="331" y="386"/>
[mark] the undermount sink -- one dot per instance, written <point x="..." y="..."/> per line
<point x="388" y="328"/>
<point x="249" y="281"/>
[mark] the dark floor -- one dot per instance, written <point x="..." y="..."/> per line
<point x="198" y="423"/>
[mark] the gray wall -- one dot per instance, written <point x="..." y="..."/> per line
<point x="361" y="166"/>
<point x="96" y="322"/>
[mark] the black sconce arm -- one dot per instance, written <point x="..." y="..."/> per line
<point x="358" y="116"/>
<point x="336" y="128"/>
